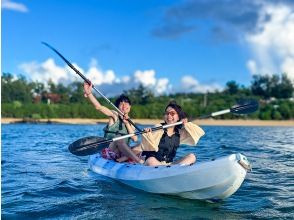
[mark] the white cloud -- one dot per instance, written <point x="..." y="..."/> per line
<point x="163" y="86"/>
<point x="273" y="45"/>
<point x="49" y="70"/>
<point x="98" y="77"/>
<point x="190" y="84"/>
<point x="146" y="78"/>
<point x="251" y="65"/>
<point x="10" y="5"/>
<point x="44" y="71"/>
<point x="288" y="65"/>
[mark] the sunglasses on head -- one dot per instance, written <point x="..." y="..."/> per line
<point x="172" y="113"/>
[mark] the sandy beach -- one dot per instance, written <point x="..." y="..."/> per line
<point x="208" y="122"/>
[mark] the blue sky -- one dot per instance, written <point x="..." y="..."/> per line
<point x="168" y="46"/>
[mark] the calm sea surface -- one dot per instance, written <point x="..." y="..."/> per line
<point x="41" y="179"/>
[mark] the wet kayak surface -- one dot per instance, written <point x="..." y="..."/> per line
<point x="41" y="179"/>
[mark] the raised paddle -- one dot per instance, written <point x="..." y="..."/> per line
<point x="91" y="145"/>
<point x="89" y="82"/>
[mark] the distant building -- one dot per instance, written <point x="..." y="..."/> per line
<point x="50" y="97"/>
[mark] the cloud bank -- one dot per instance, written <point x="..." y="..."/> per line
<point x="108" y="82"/>
<point x="273" y="46"/>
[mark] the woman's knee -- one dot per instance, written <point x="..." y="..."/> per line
<point x="191" y="157"/>
<point x="151" y="161"/>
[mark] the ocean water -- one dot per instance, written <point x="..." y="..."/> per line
<point x="42" y="180"/>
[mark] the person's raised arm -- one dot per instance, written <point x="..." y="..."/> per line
<point x="88" y="94"/>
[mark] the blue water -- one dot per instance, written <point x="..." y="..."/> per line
<point x="41" y="179"/>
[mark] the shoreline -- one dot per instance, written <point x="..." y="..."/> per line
<point x="205" y="122"/>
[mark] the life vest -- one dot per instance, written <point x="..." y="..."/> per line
<point x="167" y="147"/>
<point x="118" y="128"/>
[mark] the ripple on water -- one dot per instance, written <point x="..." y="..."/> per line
<point x="41" y="179"/>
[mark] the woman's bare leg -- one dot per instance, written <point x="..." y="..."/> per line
<point x="188" y="159"/>
<point x="152" y="161"/>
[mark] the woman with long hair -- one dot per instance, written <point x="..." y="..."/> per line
<point x="160" y="147"/>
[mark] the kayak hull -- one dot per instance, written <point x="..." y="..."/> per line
<point x="211" y="180"/>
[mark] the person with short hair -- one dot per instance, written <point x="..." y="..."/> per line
<point x="117" y="125"/>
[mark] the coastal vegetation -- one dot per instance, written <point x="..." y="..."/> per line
<point x="23" y="99"/>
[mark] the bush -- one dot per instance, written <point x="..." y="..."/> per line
<point x="36" y="116"/>
<point x="276" y="115"/>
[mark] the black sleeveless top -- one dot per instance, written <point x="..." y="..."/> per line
<point x="167" y="147"/>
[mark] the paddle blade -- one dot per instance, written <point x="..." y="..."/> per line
<point x="88" y="145"/>
<point x="245" y="107"/>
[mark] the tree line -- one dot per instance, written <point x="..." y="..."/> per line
<point x="36" y="100"/>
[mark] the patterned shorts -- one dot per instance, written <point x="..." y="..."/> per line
<point x="109" y="154"/>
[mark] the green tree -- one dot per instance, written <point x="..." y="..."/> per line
<point x="276" y="115"/>
<point x="140" y="95"/>
<point x="15" y="89"/>
<point x="37" y="87"/>
<point x="278" y="86"/>
<point x="52" y="87"/>
<point x="6" y="90"/>
<point x="232" y="87"/>
<point x="273" y="86"/>
<point x="286" y="87"/>
<point x="285" y="111"/>
<point x="76" y="93"/>
<point x="259" y="85"/>
<point x="64" y="93"/>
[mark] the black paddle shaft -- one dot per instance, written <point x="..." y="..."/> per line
<point x="91" y="145"/>
<point x="89" y="82"/>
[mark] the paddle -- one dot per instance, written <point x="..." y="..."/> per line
<point x="89" y="82"/>
<point x="243" y="107"/>
<point x="91" y="145"/>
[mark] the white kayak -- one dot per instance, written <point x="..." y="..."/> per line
<point x="211" y="180"/>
